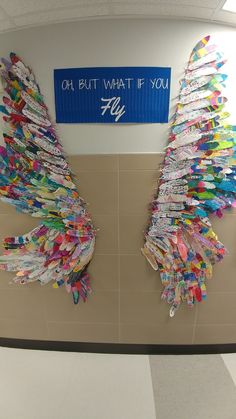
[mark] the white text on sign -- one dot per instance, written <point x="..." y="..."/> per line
<point x="113" y="105"/>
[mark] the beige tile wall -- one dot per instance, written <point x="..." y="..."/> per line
<point x="125" y="305"/>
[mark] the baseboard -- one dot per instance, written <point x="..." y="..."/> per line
<point x="118" y="348"/>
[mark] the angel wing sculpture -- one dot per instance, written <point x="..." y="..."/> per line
<point x="197" y="178"/>
<point x="36" y="179"/>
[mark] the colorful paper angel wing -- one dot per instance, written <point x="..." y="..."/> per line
<point x="36" y="179"/>
<point x="197" y="178"/>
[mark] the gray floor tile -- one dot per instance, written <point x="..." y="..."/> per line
<point x="192" y="387"/>
<point x="62" y="385"/>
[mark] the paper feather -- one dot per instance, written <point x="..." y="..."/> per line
<point x="198" y="177"/>
<point x="36" y="179"/>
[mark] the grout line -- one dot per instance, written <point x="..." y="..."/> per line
<point x="80" y="323"/>
<point x="216" y="324"/>
<point x="116" y="154"/>
<point x="47" y="329"/>
<point x="154" y="171"/>
<point x="106" y="254"/>
<point x="118" y="242"/>
<point x="229" y="363"/>
<point x="117" y="253"/>
<point x="150" y="370"/>
<point x="44" y="315"/>
<point x="195" y="323"/>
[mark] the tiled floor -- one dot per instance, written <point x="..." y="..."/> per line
<point x="59" y="385"/>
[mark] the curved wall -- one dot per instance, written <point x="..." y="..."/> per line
<point x="125" y="305"/>
<point x="116" y="42"/>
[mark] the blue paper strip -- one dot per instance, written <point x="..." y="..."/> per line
<point x="112" y="94"/>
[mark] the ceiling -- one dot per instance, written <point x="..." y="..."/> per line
<point x="17" y="14"/>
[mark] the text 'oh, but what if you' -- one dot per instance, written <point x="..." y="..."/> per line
<point x="115" y="83"/>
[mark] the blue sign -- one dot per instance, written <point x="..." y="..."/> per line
<point x="112" y="94"/>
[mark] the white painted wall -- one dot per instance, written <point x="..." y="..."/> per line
<point x="121" y="42"/>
